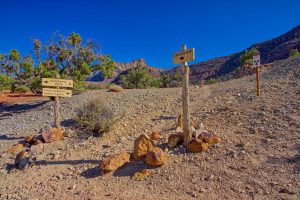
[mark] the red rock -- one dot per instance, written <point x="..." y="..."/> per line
<point x="141" y="145"/>
<point x="155" y="157"/>
<point x="30" y="139"/>
<point x="175" y="139"/>
<point x="155" y="136"/>
<point x="209" y="137"/>
<point x="15" y="149"/>
<point x="197" y="145"/>
<point x="54" y="134"/>
<point x="114" y="162"/>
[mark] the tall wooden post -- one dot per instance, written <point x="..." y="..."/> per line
<point x="257" y="80"/>
<point x="186" y="101"/>
<point x="57" y="116"/>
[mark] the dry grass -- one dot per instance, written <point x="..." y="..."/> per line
<point x="115" y="88"/>
<point x="94" y="86"/>
<point x="98" y="117"/>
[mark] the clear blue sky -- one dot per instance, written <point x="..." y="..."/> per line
<point x="152" y="29"/>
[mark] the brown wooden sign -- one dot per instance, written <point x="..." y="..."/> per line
<point x="53" y="82"/>
<point x="53" y="92"/>
<point x="184" y="56"/>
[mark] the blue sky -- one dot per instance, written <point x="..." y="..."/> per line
<point x="153" y="29"/>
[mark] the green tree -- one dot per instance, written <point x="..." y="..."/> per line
<point x="5" y="82"/>
<point x="247" y="56"/>
<point x="139" y="77"/>
<point x="294" y="52"/>
<point x="107" y="66"/>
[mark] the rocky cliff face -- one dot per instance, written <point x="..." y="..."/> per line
<point x="271" y="50"/>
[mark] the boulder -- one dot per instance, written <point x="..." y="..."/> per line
<point x="141" y="145"/>
<point x="38" y="148"/>
<point x="114" y="162"/>
<point x="22" y="160"/>
<point x="209" y="137"/>
<point x="196" y="145"/>
<point x="155" y="136"/>
<point x="141" y="175"/>
<point x="175" y="139"/>
<point x="155" y="157"/>
<point x="54" y="134"/>
<point x="15" y="149"/>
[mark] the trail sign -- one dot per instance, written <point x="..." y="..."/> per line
<point x="256" y="60"/>
<point x="184" y="56"/>
<point x="53" y="82"/>
<point x="256" y="64"/>
<point x="53" y="92"/>
<point x="56" y="93"/>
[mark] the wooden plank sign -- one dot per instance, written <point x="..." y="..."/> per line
<point x="184" y="56"/>
<point x="53" y="92"/>
<point x="52" y="82"/>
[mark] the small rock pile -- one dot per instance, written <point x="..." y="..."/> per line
<point x="33" y="144"/>
<point x="144" y="148"/>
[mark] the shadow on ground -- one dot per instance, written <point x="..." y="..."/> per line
<point x="293" y="160"/>
<point x="7" y="110"/>
<point x="5" y="137"/>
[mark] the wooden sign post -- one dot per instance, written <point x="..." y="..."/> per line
<point x="56" y="93"/>
<point x="256" y="64"/>
<point x="183" y="57"/>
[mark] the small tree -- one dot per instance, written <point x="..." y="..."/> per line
<point x="107" y="66"/>
<point x="247" y="56"/>
<point x="294" y="52"/>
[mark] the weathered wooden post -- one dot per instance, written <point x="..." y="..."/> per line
<point x="182" y="58"/>
<point x="256" y="64"/>
<point x="56" y="93"/>
<point x="57" y="115"/>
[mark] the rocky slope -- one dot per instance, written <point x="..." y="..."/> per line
<point x="271" y="50"/>
<point x="257" y="158"/>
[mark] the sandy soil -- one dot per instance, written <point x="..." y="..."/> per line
<point x="258" y="157"/>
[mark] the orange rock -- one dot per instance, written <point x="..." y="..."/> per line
<point x="197" y="145"/>
<point x="141" y="145"/>
<point x="114" y="162"/>
<point x="155" y="136"/>
<point x="30" y="139"/>
<point x="54" y="134"/>
<point x="209" y="137"/>
<point x="175" y="139"/>
<point x="15" y="149"/>
<point x="155" y="157"/>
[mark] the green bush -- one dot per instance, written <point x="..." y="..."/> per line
<point x="21" y="89"/>
<point x="247" y="56"/>
<point x="139" y="77"/>
<point x="5" y="82"/>
<point x="212" y="81"/>
<point x="294" y="52"/>
<point x="96" y="116"/>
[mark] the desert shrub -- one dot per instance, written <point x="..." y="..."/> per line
<point x="294" y="52"/>
<point x="98" y="117"/>
<point x="212" y="81"/>
<point x="5" y="82"/>
<point x="21" y="89"/>
<point x="115" y="88"/>
<point x="247" y="56"/>
<point x="174" y="83"/>
<point x="95" y="86"/>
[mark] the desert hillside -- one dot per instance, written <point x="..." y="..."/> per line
<point x="257" y="157"/>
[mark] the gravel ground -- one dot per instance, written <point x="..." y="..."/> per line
<point x="258" y="157"/>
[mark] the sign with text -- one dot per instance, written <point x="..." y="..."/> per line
<point x="256" y="60"/>
<point x="184" y="56"/>
<point x="53" y="82"/>
<point x="53" y="92"/>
